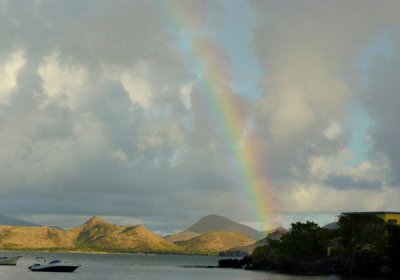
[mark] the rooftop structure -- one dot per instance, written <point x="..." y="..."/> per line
<point x="389" y="217"/>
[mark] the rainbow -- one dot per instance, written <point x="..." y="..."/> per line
<point x="243" y="150"/>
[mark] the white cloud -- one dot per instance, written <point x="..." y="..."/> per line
<point x="303" y="89"/>
<point x="62" y="79"/>
<point x="322" y="166"/>
<point x="185" y="95"/>
<point x="137" y="84"/>
<point x="290" y="113"/>
<point x="317" y="198"/>
<point x="9" y="69"/>
<point x="333" y="131"/>
<point x="119" y="155"/>
<point x="338" y="172"/>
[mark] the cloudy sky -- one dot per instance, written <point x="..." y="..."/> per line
<point x="111" y="108"/>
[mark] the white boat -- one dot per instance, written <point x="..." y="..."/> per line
<point x="54" y="266"/>
<point x="9" y="260"/>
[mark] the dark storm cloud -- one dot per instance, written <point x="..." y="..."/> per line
<point x="100" y="113"/>
<point x="85" y="158"/>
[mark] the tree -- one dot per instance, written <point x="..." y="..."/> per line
<point x="393" y="248"/>
<point x="306" y="241"/>
<point x="363" y="240"/>
<point x="297" y="251"/>
<point x="362" y="232"/>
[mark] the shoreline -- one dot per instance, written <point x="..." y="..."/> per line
<point x="30" y="250"/>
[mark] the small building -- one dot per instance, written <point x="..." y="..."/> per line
<point x="392" y="218"/>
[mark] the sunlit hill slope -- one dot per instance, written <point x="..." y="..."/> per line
<point x="214" y="234"/>
<point x="95" y="235"/>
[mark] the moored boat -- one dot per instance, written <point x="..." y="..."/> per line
<point x="54" y="266"/>
<point x="9" y="260"/>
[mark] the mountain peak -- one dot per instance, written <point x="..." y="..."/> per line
<point x="214" y="216"/>
<point x="95" y="220"/>
<point x="219" y="223"/>
<point x="214" y="219"/>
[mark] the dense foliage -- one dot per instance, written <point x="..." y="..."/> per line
<point x="363" y="245"/>
<point x="297" y="251"/>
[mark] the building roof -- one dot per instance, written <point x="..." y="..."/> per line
<point x="370" y="213"/>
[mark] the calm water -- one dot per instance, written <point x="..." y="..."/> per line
<point x="132" y="266"/>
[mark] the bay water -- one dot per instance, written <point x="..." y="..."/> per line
<point x="137" y="266"/>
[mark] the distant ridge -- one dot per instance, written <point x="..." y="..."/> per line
<point x="210" y="235"/>
<point x="95" y="235"/>
<point x="219" y="223"/>
<point x="9" y="221"/>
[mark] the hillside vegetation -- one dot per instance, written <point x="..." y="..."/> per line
<point x="361" y="245"/>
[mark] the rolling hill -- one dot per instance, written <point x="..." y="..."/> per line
<point x="211" y="235"/>
<point x="182" y="236"/>
<point x="94" y="235"/>
<point x="41" y="237"/>
<point x="215" y="242"/>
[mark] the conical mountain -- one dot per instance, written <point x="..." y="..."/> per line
<point x="92" y="229"/>
<point x="99" y="234"/>
<point x="219" y="223"/>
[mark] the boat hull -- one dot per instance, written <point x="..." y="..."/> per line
<point x="9" y="260"/>
<point x="54" y="269"/>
